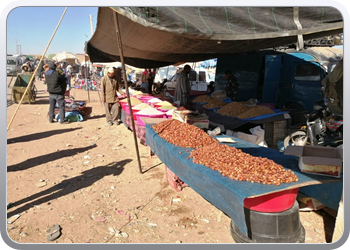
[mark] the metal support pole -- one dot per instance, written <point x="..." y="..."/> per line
<point x="115" y="17"/>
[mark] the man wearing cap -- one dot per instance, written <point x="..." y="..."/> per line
<point x="110" y="85"/>
<point x="56" y="86"/>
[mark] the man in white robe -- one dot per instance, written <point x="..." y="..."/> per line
<point x="183" y="86"/>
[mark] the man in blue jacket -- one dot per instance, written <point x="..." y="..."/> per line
<point x="56" y="86"/>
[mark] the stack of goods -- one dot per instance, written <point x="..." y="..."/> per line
<point x="233" y="109"/>
<point x="214" y="103"/>
<point x="237" y="165"/>
<point x="191" y="117"/>
<point x="255" y="111"/>
<point x="182" y="134"/>
<point x="202" y="99"/>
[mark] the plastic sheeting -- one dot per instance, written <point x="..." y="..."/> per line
<point x="226" y="194"/>
<point x="160" y="36"/>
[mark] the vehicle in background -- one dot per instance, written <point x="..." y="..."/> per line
<point x="13" y="65"/>
<point x="288" y="79"/>
<point x="199" y="80"/>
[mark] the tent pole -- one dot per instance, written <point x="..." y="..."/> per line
<point x="116" y="23"/>
<point x="36" y="69"/>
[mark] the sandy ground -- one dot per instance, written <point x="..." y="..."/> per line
<point x="84" y="176"/>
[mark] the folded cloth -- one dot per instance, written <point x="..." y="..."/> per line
<point x="72" y="116"/>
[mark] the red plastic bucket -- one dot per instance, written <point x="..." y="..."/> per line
<point x="272" y="203"/>
<point x="134" y="111"/>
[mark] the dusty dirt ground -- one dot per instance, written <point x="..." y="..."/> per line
<point x="78" y="176"/>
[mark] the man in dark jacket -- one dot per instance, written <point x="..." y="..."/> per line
<point x="56" y="86"/>
<point x="232" y="85"/>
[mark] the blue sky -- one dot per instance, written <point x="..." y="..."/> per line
<point x="32" y="28"/>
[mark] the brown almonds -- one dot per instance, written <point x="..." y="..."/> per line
<point x="182" y="134"/>
<point x="237" y="165"/>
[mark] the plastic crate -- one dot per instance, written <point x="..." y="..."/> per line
<point x="275" y="131"/>
<point x="173" y="180"/>
<point x="297" y="116"/>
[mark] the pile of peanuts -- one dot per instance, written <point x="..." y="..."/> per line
<point x="214" y="103"/>
<point x="202" y="99"/>
<point x="255" y="111"/>
<point x="182" y="134"/>
<point x="233" y="109"/>
<point x="237" y="165"/>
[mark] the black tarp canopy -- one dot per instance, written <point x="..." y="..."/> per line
<point x="160" y="36"/>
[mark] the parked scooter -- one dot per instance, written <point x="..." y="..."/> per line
<point x="322" y="128"/>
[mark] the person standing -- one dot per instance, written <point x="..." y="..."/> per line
<point x="110" y="85"/>
<point x="144" y="76"/>
<point x="68" y="74"/>
<point x="150" y="79"/>
<point x="59" y="68"/>
<point x="183" y="87"/>
<point x="56" y="86"/>
<point x="232" y="85"/>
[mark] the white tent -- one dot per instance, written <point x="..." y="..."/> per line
<point x="63" y="56"/>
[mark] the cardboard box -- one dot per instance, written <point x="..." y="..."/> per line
<point x="318" y="160"/>
<point x="247" y="137"/>
<point x="198" y="123"/>
<point x="309" y="202"/>
<point x="202" y="86"/>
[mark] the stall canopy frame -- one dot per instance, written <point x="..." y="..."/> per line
<point x="161" y="36"/>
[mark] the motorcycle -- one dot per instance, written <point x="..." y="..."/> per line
<point x="160" y="87"/>
<point x="322" y="128"/>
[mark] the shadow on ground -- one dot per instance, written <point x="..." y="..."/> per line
<point x="68" y="186"/>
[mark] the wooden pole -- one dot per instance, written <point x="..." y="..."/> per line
<point x="115" y="17"/>
<point x="36" y="69"/>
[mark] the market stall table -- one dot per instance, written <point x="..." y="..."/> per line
<point x="140" y="130"/>
<point x="217" y="119"/>
<point x="228" y="195"/>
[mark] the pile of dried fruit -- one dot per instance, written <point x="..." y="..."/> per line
<point x="233" y="109"/>
<point x="202" y="99"/>
<point x="214" y="103"/>
<point x="182" y="134"/>
<point x="255" y="111"/>
<point x="237" y="165"/>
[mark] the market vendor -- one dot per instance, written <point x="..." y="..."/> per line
<point x="232" y="85"/>
<point x="183" y="86"/>
<point x="110" y="85"/>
